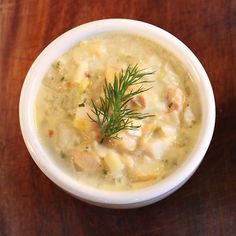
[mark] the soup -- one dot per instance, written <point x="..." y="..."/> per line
<point x="113" y="137"/>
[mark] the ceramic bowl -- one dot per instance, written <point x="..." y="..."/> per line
<point x="129" y="199"/>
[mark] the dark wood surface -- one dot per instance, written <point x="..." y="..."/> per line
<point x="30" y="204"/>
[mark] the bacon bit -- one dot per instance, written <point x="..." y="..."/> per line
<point x="50" y="132"/>
<point x="87" y="74"/>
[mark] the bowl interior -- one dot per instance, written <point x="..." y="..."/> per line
<point x="66" y="41"/>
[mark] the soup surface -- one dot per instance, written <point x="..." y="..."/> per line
<point x="138" y="157"/>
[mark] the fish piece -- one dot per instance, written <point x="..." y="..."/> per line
<point x="138" y="102"/>
<point x="85" y="159"/>
<point x="176" y="99"/>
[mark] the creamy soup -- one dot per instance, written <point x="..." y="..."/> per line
<point x="132" y="158"/>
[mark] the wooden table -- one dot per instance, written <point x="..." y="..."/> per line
<point x="30" y="204"/>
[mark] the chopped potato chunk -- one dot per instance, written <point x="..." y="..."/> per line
<point x="144" y="172"/>
<point x="114" y="164"/>
<point x="81" y="77"/>
<point x="189" y="117"/>
<point x="139" y="176"/>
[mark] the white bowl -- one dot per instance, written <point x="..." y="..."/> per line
<point x="45" y="162"/>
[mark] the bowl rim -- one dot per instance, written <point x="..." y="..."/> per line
<point x="70" y="184"/>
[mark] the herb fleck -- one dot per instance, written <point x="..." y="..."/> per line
<point x="170" y="104"/>
<point x="63" y="155"/>
<point x="81" y="105"/>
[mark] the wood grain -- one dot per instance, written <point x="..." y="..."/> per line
<point x="30" y="204"/>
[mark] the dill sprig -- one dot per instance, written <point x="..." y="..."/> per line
<point x="112" y="114"/>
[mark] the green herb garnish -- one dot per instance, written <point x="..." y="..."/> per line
<point x="112" y="114"/>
